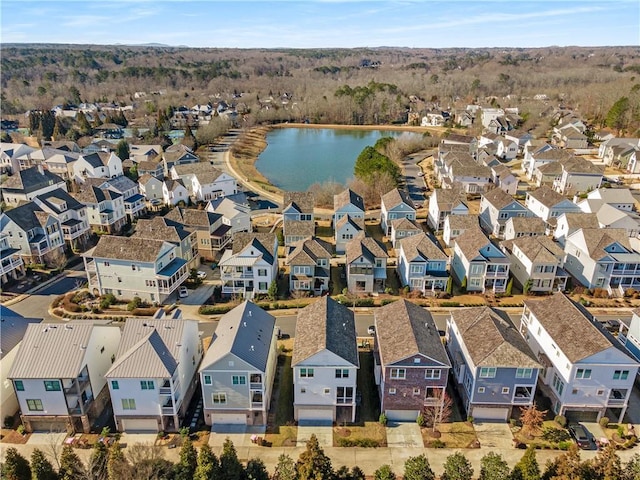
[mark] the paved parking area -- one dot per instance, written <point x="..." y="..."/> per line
<point x="140" y="438"/>
<point x="240" y="435"/>
<point x="46" y="438"/>
<point x="324" y="433"/>
<point x="404" y="435"/>
<point x="493" y="435"/>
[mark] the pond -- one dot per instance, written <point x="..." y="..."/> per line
<point x="296" y="158"/>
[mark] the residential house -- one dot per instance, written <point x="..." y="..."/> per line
<point x="603" y="258"/>
<point x="444" y="202"/>
<point x="309" y="267"/>
<point x="325" y="364"/>
<point x="297" y="217"/>
<point x="58" y="374"/>
<point x="464" y="118"/>
<point x="151" y="188"/>
<point x="478" y="263"/>
<point x="347" y="203"/>
<point x="174" y="192"/>
<point x="173" y="232"/>
<point x="460" y="167"/>
<point x="59" y="162"/>
<point x="578" y="175"/>
<point x="250" y="266"/>
<point x="33" y="234"/>
<point x="572" y="222"/>
<point x="12" y="155"/>
<point x="97" y="165"/>
<point x="516" y="227"/>
<point x="204" y="181"/>
<point x="411" y="365"/>
<point x="629" y="335"/>
<point x="236" y="375"/>
<point x="633" y="162"/>
<point x="610" y="217"/>
<point x="11" y="263"/>
<point x="520" y="137"/>
<point x="403" y="228"/>
<point x="25" y="185"/>
<point x="129" y="267"/>
<point x="105" y="208"/>
<point x="153" y="167"/>
<point x="542" y="155"/>
<point x="496" y="207"/>
<point x="346" y="229"/>
<point x="421" y="265"/>
<point x="536" y="263"/>
<point x="144" y="153"/>
<point x="13" y="327"/>
<point x="456" y="225"/>
<point x="504" y="179"/>
<point x="71" y="214"/>
<point x="213" y="231"/>
<point x="235" y="209"/>
<point x="469" y="142"/>
<point x="547" y="174"/>
<point x="153" y="377"/>
<point x="177" y="155"/>
<point x="366" y="265"/>
<point x="570" y="135"/>
<point x="433" y="119"/>
<point x="610" y="150"/>
<point x="586" y="376"/>
<point x="549" y="205"/>
<point x="395" y="204"/>
<point x="620" y="198"/>
<point x="133" y="200"/>
<point x="506" y="148"/>
<point x="493" y="367"/>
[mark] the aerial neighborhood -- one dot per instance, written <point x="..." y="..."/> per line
<point x="476" y="284"/>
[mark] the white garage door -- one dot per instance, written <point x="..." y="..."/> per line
<point x="402" y="415"/>
<point x="140" y="425"/>
<point x="315" y="415"/>
<point x="229" y="418"/>
<point x="486" y="413"/>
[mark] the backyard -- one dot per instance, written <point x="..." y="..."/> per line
<point x="281" y="429"/>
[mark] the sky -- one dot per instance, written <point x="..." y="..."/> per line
<point x="323" y="23"/>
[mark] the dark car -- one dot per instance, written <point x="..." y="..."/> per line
<point x="612" y="325"/>
<point x="581" y="435"/>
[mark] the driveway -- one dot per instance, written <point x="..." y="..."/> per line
<point x="324" y="433"/>
<point x="46" y="438"/>
<point x="404" y="435"/>
<point x="240" y="435"/>
<point x="494" y="435"/>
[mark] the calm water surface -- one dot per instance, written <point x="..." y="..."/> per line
<point x="296" y="158"/>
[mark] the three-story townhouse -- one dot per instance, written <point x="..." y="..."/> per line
<point x="496" y="207"/>
<point x="366" y="265"/>
<point x="297" y="217"/>
<point x="71" y="214"/>
<point x="395" y="204"/>
<point x="421" y="265"/>
<point x="309" y="266"/>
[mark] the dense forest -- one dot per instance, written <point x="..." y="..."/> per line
<point x="345" y="86"/>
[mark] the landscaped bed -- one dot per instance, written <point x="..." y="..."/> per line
<point x="450" y="435"/>
<point x="621" y="436"/>
<point x="10" y="435"/>
<point x="551" y="436"/>
<point x="371" y="434"/>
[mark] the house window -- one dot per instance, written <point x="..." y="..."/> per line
<point x="326" y="391"/>
<point x="147" y="385"/>
<point x="416" y="268"/>
<point x="115" y="385"/>
<point x="505" y="390"/>
<point x="480" y="389"/>
<point x="219" y="398"/>
<point x="35" y="405"/>
<point x="303" y="390"/>
<point x="262" y="285"/>
<point x="19" y="385"/>
<point x="620" y="374"/>
<point x="583" y="373"/>
<point x="416" y="391"/>
<point x="378" y="263"/>
<point x="106" y="264"/>
<point x="416" y="360"/>
<point x="128" y="403"/>
<point x="558" y="384"/>
<point x="262" y="272"/>
<point x="342" y="373"/>
<point x="52" y="385"/>
<point x="133" y="267"/>
<point x="524" y="372"/>
<point x="239" y="380"/>
<point x="432" y="373"/>
<point x="487" y="372"/>
<point x="306" y="373"/>
<point x="392" y="391"/>
<point x="398" y="373"/>
<point x="344" y="395"/>
<point x="207" y="379"/>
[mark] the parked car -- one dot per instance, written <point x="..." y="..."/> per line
<point x="581" y="435"/>
<point x="612" y="325"/>
<point x="202" y="275"/>
<point x="371" y="330"/>
<point x="183" y="292"/>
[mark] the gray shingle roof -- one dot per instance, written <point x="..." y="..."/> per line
<point x="303" y="202"/>
<point x="160" y="227"/>
<point x="597" y="239"/>
<point x="53" y="197"/>
<point x="246" y="332"/>
<point x="405" y="224"/>
<point x="52" y="350"/>
<point x="568" y="327"/>
<point x="499" y="198"/>
<point x="421" y="245"/>
<point x="192" y="217"/>
<point x="546" y="196"/>
<point x="12" y="329"/>
<point x="300" y="228"/>
<point x="527" y="224"/>
<point x="30" y="179"/>
<point x="127" y="248"/>
<point x="364" y="246"/>
<point x="404" y="329"/>
<point x="358" y="223"/>
<point x="576" y="221"/>
<point x="537" y="249"/>
<point x="395" y="197"/>
<point x="462" y="222"/>
<point x="348" y="197"/>
<point x="491" y="340"/>
<point x="262" y="241"/>
<point x="26" y="216"/>
<point x="308" y="251"/>
<point x="447" y="198"/>
<point x="325" y="324"/>
<point x="203" y="171"/>
<point x="471" y="241"/>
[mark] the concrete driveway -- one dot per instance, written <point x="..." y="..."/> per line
<point x="494" y="435"/>
<point x="404" y="435"/>
<point x="240" y="435"/>
<point x="324" y="433"/>
<point x="47" y="438"/>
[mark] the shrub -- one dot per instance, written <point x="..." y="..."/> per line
<point x="57" y="301"/>
<point x="564" y="445"/>
<point x="509" y="287"/>
<point x="8" y="421"/>
<point x="364" y="302"/>
<point x="21" y="430"/>
<point x="386" y="301"/>
<point x="621" y="431"/>
<point x="470" y="419"/>
<point x="214" y="309"/>
<point x="144" y="312"/>
<point x="134" y="303"/>
<point x="463" y="285"/>
<point x="421" y="421"/>
<point x="358" y="442"/>
<point x="382" y="419"/>
<point x="555" y="435"/>
<point x="604" y="422"/>
<point x="438" y="444"/>
<point x="107" y="300"/>
<point x="561" y="420"/>
<point x="450" y="304"/>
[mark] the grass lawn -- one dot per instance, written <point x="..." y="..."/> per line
<point x="325" y="232"/>
<point x="280" y="428"/>
<point x="370" y="434"/>
<point x="554" y="435"/>
<point x="453" y="435"/>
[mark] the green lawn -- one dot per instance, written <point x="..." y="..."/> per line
<point x="284" y="407"/>
<point x="369" y="410"/>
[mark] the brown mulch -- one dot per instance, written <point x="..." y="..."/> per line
<point x="12" y="436"/>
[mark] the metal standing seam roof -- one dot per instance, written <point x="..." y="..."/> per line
<point x="246" y="332"/>
<point x="325" y="325"/>
<point x="12" y="329"/>
<point x="149" y="348"/>
<point x="52" y="350"/>
<point x="404" y="329"/>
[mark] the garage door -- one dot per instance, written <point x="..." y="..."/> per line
<point x="317" y="416"/>
<point x="140" y="425"/>
<point x="229" y="418"/>
<point x="402" y="415"/>
<point x="581" y="416"/>
<point x="490" y="414"/>
<point x="48" y="426"/>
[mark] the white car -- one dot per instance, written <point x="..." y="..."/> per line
<point x="202" y="274"/>
<point x="371" y="330"/>
<point x="183" y="292"/>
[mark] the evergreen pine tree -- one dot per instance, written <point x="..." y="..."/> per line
<point x="418" y="468"/>
<point x="186" y="466"/>
<point x="208" y="464"/>
<point x="116" y="463"/>
<point x="71" y="467"/>
<point x="313" y="463"/>
<point x="98" y="462"/>
<point x="384" y="473"/>
<point x="493" y="467"/>
<point x="15" y="466"/>
<point x="527" y="468"/>
<point x="285" y="469"/>
<point x="41" y="467"/>
<point x="256" y="470"/>
<point x="457" y="467"/>
<point x="230" y="466"/>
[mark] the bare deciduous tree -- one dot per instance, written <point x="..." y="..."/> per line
<point x="439" y="409"/>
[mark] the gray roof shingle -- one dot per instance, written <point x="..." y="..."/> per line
<point x="348" y="197"/>
<point x="127" y="248"/>
<point x="421" y="245"/>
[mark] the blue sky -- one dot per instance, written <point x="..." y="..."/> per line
<point x="323" y="23"/>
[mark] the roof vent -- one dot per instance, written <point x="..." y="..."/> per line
<point x="249" y="312"/>
<point x="244" y="324"/>
<point x="251" y="348"/>
<point x="83" y="347"/>
<point x="45" y="329"/>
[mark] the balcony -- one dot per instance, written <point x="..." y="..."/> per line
<point x="361" y="271"/>
<point x="344" y="400"/>
<point x="77" y="386"/>
<point x="617" y="397"/>
<point x="167" y="410"/>
<point x="228" y="274"/>
<point x="10" y="264"/>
